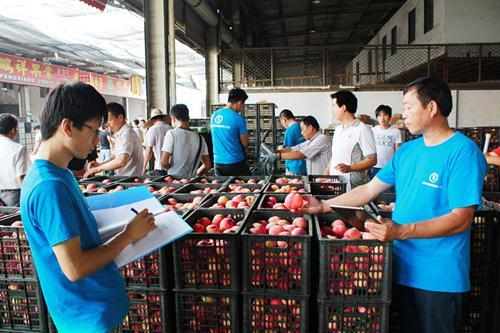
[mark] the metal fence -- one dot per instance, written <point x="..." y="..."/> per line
<point x="360" y="66"/>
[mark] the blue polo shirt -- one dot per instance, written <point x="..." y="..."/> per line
<point x="227" y="126"/>
<point x="293" y="137"/>
<point x="53" y="210"/>
<point x="431" y="181"/>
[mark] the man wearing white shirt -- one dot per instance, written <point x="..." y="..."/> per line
<point x="387" y="138"/>
<point x="154" y="140"/>
<point x="353" y="146"/>
<point x="15" y="161"/>
<point x="127" y="158"/>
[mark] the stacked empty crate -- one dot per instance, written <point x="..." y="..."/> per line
<point x="22" y="307"/>
<point x="207" y="261"/>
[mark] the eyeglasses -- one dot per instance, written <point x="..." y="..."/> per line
<point x="96" y="131"/>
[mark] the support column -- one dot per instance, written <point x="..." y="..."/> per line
<point x="160" y="54"/>
<point x="211" y="67"/>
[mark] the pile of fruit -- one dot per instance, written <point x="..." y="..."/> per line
<point x="250" y="181"/>
<point x="284" y="181"/>
<point x="233" y="188"/>
<point x="182" y="205"/>
<point x="206" y="190"/>
<point x="284" y="189"/>
<point x="238" y="201"/>
<point x="15" y="253"/>
<point x="219" y="224"/>
<point x="170" y="179"/>
<point x="275" y="315"/>
<point x="204" y="313"/>
<point x="162" y="191"/>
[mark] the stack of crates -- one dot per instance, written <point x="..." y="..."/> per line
<point x="207" y="273"/>
<point x="354" y="291"/>
<point x="276" y="271"/>
<point x="22" y="307"/>
<point x="25" y="134"/>
<point x="478" y="313"/>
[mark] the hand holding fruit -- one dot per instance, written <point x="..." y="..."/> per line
<point x="384" y="229"/>
<point x="313" y="206"/>
<point x="140" y="226"/>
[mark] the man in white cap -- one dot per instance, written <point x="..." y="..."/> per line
<point x="158" y="127"/>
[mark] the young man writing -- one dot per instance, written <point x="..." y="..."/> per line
<point x="82" y="286"/>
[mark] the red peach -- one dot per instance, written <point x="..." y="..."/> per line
<point x="299" y="232"/>
<point x="300" y="222"/>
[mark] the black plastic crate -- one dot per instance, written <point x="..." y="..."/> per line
<point x="279" y="264"/>
<point x="209" y="260"/>
<point x="207" y="311"/>
<point x="275" y="313"/>
<point x="484" y="234"/>
<point x="352" y="269"/>
<point x="149" y="272"/>
<point x="170" y="201"/>
<point x="265" y="203"/>
<point x="482" y="282"/>
<point x="195" y="188"/>
<point x="353" y="316"/>
<point x="245" y="180"/>
<point x="150" y="311"/>
<point x="326" y="179"/>
<point x="287" y="188"/>
<point x="492" y="181"/>
<point x="15" y="253"/>
<point x="218" y="199"/>
<point x="22" y="308"/>
<point x="242" y="188"/>
<point x="287" y="179"/>
<point x="328" y="188"/>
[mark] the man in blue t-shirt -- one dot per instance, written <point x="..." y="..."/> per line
<point x="438" y="180"/>
<point x="292" y="138"/>
<point x="82" y="286"/>
<point x="230" y="136"/>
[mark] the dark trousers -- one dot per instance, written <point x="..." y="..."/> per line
<point x="422" y="311"/>
<point x="157" y="173"/>
<point x="236" y="169"/>
<point x="372" y="172"/>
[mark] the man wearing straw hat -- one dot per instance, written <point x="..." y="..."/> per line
<point x="157" y="128"/>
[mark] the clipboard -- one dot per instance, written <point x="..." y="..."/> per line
<point x="356" y="216"/>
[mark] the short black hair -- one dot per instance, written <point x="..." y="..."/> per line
<point x="116" y="109"/>
<point x="236" y="95"/>
<point x="136" y="121"/>
<point x="383" y="108"/>
<point x="76" y="101"/>
<point x="7" y="123"/>
<point x="432" y="88"/>
<point x="287" y="114"/>
<point x="347" y="98"/>
<point x="311" y="121"/>
<point x="180" y="112"/>
<point x="36" y="127"/>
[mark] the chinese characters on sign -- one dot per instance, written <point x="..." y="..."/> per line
<point x="25" y="71"/>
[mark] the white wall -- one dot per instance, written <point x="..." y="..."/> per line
<point x="475" y="107"/>
<point x="478" y="108"/>
<point x="469" y="21"/>
<point x="34" y="103"/>
<point x="136" y="108"/>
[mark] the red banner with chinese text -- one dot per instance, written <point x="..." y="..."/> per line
<point x="34" y="73"/>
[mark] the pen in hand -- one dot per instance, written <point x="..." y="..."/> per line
<point x="154" y="214"/>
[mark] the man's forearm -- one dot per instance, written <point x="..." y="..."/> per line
<point x="493" y="160"/>
<point x="292" y="155"/>
<point x="364" y="164"/>
<point x="112" y="165"/>
<point x="442" y="226"/>
<point x="359" y="196"/>
<point x="147" y="157"/>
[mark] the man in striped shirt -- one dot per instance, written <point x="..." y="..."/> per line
<point x="317" y="150"/>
